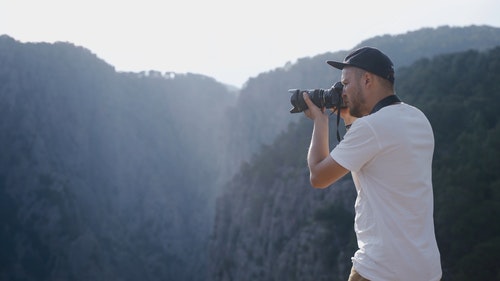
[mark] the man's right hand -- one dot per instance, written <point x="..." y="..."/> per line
<point x="345" y="115"/>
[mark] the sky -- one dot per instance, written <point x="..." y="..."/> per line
<point x="229" y="40"/>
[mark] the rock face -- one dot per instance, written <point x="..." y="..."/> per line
<point x="114" y="176"/>
<point x="272" y="225"/>
<point x="100" y="174"/>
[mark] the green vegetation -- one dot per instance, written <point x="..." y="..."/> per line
<point x="104" y="175"/>
<point x="460" y="94"/>
<point x="114" y="176"/>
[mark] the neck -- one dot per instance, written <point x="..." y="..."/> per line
<point x="388" y="100"/>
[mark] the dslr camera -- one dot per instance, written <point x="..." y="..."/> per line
<point x="329" y="98"/>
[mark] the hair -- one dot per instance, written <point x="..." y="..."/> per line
<point x="358" y="72"/>
<point x="386" y="84"/>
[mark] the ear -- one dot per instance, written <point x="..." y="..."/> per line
<point x="367" y="79"/>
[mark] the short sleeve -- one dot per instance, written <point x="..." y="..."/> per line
<point x="359" y="146"/>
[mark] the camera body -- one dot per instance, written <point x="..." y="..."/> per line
<point x="329" y="98"/>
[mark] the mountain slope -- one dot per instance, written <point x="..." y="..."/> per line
<point x="103" y="175"/>
<point x="263" y="104"/>
<point x="107" y="175"/>
<point x="271" y="225"/>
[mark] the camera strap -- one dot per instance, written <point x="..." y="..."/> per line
<point x="390" y="100"/>
<point x="339" y="104"/>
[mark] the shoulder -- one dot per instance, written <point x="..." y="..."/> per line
<point x="394" y="113"/>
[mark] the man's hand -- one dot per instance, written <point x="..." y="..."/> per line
<point x="345" y="115"/>
<point x="312" y="110"/>
<point x="323" y="169"/>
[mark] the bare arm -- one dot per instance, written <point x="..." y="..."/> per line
<point x="322" y="168"/>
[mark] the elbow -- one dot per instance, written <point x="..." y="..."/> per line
<point x="324" y="174"/>
<point x="318" y="183"/>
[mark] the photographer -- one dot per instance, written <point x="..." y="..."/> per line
<point x="388" y="149"/>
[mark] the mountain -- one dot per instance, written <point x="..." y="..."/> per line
<point x="263" y="104"/>
<point x="460" y="94"/>
<point x="272" y="225"/>
<point x="103" y="175"/>
<point x="107" y="175"/>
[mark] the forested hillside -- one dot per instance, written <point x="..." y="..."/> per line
<point x="460" y="94"/>
<point x="263" y="104"/>
<point x="100" y="174"/>
<point x="271" y="225"/>
<point x="106" y="175"/>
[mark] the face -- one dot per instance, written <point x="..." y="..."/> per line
<point x="353" y="93"/>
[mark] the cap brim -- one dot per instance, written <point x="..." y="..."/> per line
<point x="336" y="64"/>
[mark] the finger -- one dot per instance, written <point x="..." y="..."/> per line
<point x="307" y="99"/>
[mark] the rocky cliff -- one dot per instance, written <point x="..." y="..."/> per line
<point x="103" y="175"/>
<point x="272" y="225"/>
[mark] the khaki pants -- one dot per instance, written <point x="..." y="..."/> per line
<point x="355" y="276"/>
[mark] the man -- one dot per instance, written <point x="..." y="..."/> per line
<point x="388" y="149"/>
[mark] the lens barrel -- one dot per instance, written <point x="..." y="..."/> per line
<point x="320" y="97"/>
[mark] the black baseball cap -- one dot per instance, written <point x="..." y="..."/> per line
<point x="369" y="59"/>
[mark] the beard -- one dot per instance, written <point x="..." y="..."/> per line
<point x="355" y="112"/>
<point x="355" y="104"/>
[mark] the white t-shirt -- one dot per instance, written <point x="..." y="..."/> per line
<point x="390" y="154"/>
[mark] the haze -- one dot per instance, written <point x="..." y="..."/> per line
<point x="230" y="41"/>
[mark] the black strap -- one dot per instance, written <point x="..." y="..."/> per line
<point x="392" y="99"/>
<point x="339" y="106"/>
<point x="338" y="122"/>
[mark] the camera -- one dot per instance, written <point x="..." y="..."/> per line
<point x="329" y="98"/>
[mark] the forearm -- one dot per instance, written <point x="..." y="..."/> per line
<point x="324" y="170"/>
<point x="319" y="148"/>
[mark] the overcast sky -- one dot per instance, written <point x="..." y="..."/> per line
<point x="229" y="40"/>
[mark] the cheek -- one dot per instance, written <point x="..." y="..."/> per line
<point x="348" y="94"/>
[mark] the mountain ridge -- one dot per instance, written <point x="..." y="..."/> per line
<point x="272" y="225"/>
<point x="114" y="175"/>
